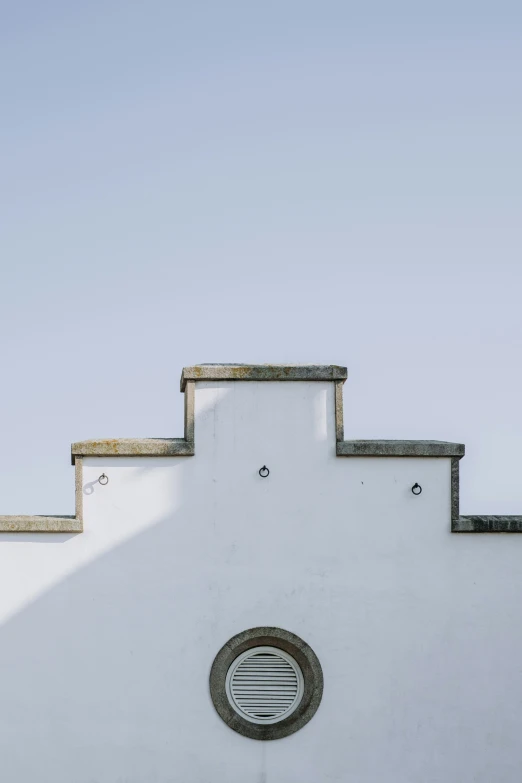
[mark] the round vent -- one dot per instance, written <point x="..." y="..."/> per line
<point x="264" y="685"/>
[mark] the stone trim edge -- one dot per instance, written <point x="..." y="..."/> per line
<point x="263" y="372"/>
<point x="399" y="448"/>
<point x="133" y="447"/>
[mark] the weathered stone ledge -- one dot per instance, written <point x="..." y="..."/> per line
<point x="133" y="447"/>
<point x="487" y="524"/>
<point x="40" y="524"/>
<point x="399" y="448"/>
<point x="263" y="372"/>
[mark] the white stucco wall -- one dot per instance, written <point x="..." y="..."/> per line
<point x="107" y="638"/>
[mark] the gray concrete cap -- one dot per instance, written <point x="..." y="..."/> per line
<point x="399" y="448"/>
<point x="132" y="447"/>
<point x="263" y="372"/>
<point x="40" y="524"/>
<point x="487" y="524"/>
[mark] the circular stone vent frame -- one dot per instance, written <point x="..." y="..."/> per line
<point x="283" y="660"/>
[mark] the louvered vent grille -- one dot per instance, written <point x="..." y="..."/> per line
<point x="264" y="685"/>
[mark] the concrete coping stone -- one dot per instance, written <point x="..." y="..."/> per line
<point x="263" y="372"/>
<point x="40" y="524"/>
<point x="487" y="524"/>
<point x="133" y="447"/>
<point x="399" y="448"/>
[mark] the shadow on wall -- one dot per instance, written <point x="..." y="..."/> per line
<point x="92" y="668"/>
<point x="36" y="538"/>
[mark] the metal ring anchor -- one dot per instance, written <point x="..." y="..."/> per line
<point x="264" y="472"/>
<point x="416" y="489"/>
<point x="103" y="479"/>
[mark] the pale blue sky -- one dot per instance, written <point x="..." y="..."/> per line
<point x="248" y="182"/>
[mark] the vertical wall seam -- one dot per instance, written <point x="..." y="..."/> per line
<point x="189" y="411"/>
<point x="339" y="413"/>
<point x="455" y="488"/>
<point x="78" y="489"/>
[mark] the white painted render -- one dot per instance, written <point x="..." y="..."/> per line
<point x="107" y="637"/>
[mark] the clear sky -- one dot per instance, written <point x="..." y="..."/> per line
<point x="277" y="181"/>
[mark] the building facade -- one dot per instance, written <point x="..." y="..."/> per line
<point x="261" y="601"/>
